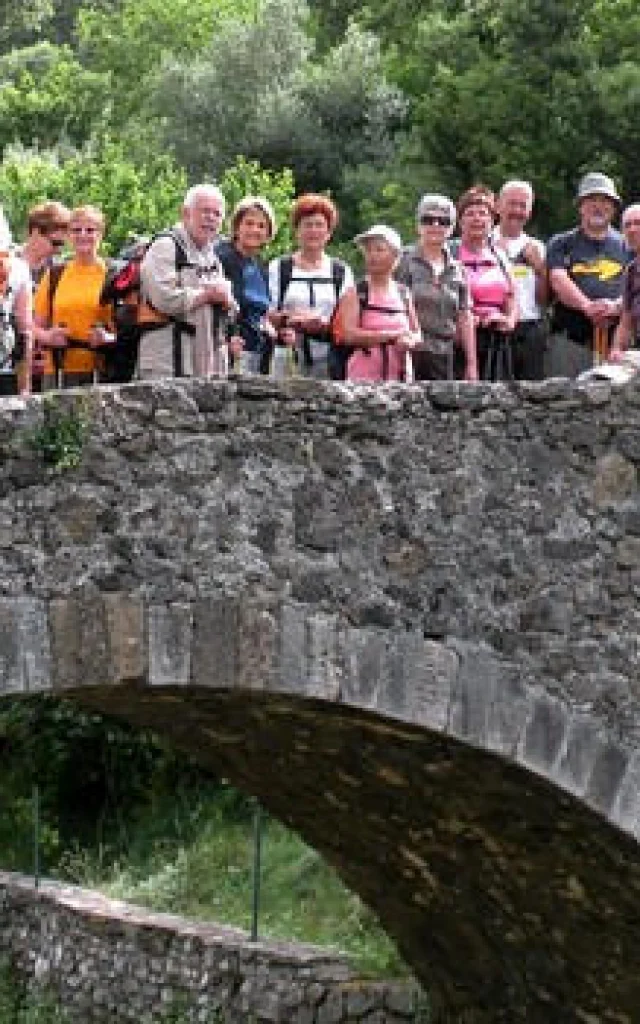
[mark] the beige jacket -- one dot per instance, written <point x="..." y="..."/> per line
<point x="174" y="292"/>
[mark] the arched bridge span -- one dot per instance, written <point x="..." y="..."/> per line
<point x="405" y="619"/>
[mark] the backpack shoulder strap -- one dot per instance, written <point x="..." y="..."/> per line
<point x="286" y="273"/>
<point x="362" y="291"/>
<point x="338" y="271"/>
<point x="182" y="260"/>
<point x="56" y="270"/>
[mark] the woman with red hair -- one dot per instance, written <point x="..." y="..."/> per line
<point x="491" y="283"/>
<point x="306" y="286"/>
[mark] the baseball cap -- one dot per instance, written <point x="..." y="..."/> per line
<point x="391" y="237"/>
<point x="596" y="184"/>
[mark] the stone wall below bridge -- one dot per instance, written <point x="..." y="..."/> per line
<point x="106" y="960"/>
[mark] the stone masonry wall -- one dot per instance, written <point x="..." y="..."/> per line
<point x="108" y="961"/>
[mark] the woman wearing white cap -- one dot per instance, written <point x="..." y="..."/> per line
<point x="439" y="289"/>
<point x="377" y="316"/>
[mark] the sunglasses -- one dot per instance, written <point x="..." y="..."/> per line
<point x="432" y="219"/>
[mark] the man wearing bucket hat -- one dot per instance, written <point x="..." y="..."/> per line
<point x="586" y="271"/>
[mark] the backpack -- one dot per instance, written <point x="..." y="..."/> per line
<point x="338" y="271"/>
<point x="343" y="350"/>
<point x="133" y="316"/>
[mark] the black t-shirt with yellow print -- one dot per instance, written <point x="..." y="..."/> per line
<point x="596" y="266"/>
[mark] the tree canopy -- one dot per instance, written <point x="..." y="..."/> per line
<point x="374" y="103"/>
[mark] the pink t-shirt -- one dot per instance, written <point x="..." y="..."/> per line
<point x="385" y="311"/>
<point x="489" y="285"/>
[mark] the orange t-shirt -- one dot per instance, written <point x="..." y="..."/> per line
<point x="76" y="305"/>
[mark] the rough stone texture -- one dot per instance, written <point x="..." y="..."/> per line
<point x="406" y="618"/>
<point x="107" y="960"/>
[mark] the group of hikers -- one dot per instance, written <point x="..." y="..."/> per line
<point x="474" y="297"/>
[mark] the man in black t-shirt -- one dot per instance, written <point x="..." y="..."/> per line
<point x="586" y="271"/>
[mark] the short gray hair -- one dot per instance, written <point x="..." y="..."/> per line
<point x="631" y="208"/>
<point x="205" y="189"/>
<point x="524" y="186"/>
<point x="433" y="201"/>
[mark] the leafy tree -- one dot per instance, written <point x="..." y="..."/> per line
<point x="134" y="198"/>
<point x="18" y="22"/>
<point x="318" y="117"/>
<point x="47" y="96"/>
<point x="131" y="42"/>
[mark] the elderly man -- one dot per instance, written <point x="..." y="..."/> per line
<point x="184" y="290"/>
<point x="586" y="271"/>
<point x="627" y="333"/>
<point x="527" y="258"/>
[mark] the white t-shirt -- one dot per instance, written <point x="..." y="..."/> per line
<point x="19" y="278"/>
<point x="524" y="275"/>
<point x="308" y="288"/>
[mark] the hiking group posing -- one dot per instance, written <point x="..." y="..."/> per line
<point x="492" y="303"/>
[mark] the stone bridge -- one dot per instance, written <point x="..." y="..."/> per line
<point x="406" y="619"/>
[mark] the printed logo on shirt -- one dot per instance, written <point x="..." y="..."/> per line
<point x="604" y="270"/>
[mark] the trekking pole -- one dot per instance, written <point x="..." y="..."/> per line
<point x="600" y="344"/>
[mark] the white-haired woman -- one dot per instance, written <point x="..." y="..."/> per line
<point x="438" y="285"/>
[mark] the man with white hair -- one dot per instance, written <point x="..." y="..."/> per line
<point x="527" y="258"/>
<point x="627" y="334"/>
<point x="184" y="291"/>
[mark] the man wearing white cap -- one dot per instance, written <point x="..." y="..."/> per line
<point x="586" y="270"/>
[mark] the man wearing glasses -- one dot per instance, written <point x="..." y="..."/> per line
<point x="528" y="265"/>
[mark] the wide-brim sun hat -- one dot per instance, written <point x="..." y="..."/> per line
<point x="596" y="184"/>
<point x="256" y="203"/>
<point x="388" y="235"/>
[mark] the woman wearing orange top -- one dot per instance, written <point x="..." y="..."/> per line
<point x="71" y="324"/>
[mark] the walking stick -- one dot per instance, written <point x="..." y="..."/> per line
<point x="600" y="344"/>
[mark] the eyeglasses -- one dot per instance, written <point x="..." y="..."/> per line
<point x="84" y="231"/>
<point x="431" y="219"/>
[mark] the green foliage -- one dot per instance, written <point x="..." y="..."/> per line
<point x="130" y="42"/>
<point x="62" y="436"/>
<point x="134" y="198"/>
<point x="47" y="96"/>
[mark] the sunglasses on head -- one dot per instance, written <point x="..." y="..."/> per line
<point x="435" y="218"/>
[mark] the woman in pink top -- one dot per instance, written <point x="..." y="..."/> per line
<point x="491" y="284"/>
<point x="377" y="317"/>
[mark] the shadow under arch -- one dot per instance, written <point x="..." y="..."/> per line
<point x="502" y="891"/>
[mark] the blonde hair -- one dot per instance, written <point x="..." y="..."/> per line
<point x="92" y="213"/>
